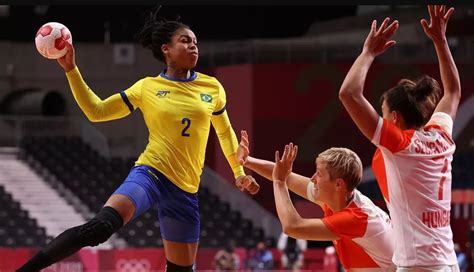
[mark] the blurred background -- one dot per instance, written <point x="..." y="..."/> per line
<point x="281" y="66"/>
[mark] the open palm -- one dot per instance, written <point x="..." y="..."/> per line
<point x="284" y="166"/>
<point x="243" y="149"/>
<point x="379" y="39"/>
<point x="439" y="17"/>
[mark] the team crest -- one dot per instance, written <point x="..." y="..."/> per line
<point x="206" y="98"/>
<point x="162" y="94"/>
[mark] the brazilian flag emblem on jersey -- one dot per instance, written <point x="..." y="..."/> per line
<point x="206" y="98"/>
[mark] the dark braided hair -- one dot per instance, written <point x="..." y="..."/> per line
<point x="156" y="32"/>
<point x="415" y="100"/>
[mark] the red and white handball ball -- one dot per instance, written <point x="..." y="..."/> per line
<point x="51" y="40"/>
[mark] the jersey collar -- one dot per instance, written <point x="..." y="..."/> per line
<point x="191" y="78"/>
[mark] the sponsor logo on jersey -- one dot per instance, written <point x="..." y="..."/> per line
<point x="163" y="94"/>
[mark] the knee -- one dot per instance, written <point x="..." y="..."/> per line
<point x="101" y="227"/>
<point x="95" y="232"/>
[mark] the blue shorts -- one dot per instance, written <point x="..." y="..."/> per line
<point x="178" y="211"/>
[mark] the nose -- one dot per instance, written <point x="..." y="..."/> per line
<point x="313" y="179"/>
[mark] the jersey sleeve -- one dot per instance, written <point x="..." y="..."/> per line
<point x="225" y="133"/>
<point x="390" y="136"/>
<point x="132" y="97"/>
<point x="228" y="141"/>
<point x="221" y="100"/>
<point x="348" y="223"/>
<point x="442" y="120"/>
<point x="310" y="192"/>
<point x="96" y="109"/>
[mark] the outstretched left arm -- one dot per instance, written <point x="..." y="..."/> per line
<point x="229" y="145"/>
<point x="292" y="223"/>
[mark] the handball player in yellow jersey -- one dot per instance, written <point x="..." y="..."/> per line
<point x="178" y="107"/>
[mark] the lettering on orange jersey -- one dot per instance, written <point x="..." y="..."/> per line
<point x="429" y="147"/>
<point x="436" y="219"/>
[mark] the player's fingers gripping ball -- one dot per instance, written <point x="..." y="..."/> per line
<point x="51" y="40"/>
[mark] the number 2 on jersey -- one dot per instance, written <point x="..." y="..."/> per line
<point x="187" y="123"/>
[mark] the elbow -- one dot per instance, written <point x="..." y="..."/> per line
<point x="293" y="226"/>
<point x="96" y="114"/>
<point x="286" y="229"/>
<point x="457" y="93"/>
<point x="454" y="89"/>
<point x="94" y="118"/>
<point x="350" y="96"/>
<point x="289" y="229"/>
<point x="345" y="94"/>
<point x="453" y="95"/>
<point x="224" y="132"/>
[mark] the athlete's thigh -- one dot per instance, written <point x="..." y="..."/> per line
<point x="178" y="213"/>
<point x="183" y="254"/>
<point x="135" y="195"/>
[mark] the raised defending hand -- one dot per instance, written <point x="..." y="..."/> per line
<point x="247" y="183"/>
<point x="243" y="149"/>
<point x="284" y="166"/>
<point x="68" y="61"/>
<point x="379" y="39"/>
<point x="439" y="18"/>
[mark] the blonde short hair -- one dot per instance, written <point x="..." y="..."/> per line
<point x="342" y="163"/>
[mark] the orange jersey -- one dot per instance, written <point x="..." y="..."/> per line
<point x="365" y="233"/>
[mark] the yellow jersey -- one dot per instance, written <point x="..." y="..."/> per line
<point x="178" y="114"/>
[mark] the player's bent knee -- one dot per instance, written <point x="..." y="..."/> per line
<point x="101" y="227"/>
<point x="172" y="267"/>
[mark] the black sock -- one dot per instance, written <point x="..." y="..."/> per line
<point x="59" y="248"/>
<point x="172" y="267"/>
<point x="39" y="260"/>
<point x="96" y="231"/>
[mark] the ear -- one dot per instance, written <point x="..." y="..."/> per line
<point x="394" y="116"/>
<point x="340" y="184"/>
<point x="165" y="48"/>
<point x="398" y="119"/>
